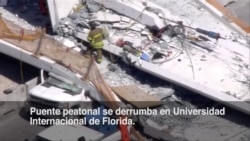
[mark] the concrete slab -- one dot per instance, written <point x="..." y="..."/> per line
<point x="177" y="76"/>
<point x="121" y="25"/>
<point x="125" y="19"/>
<point x="107" y="17"/>
<point x="217" y="76"/>
<point x="134" y="10"/>
<point x="218" y="81"/>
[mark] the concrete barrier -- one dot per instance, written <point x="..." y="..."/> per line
<point x="30" y="84"/>
<point x="16" y="99"/>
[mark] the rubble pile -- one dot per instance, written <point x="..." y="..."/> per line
<point x="168" y="46"/>
<point x="134" y="37"/>
<point x="171" y="42"/>
<point x="122" y="74"/>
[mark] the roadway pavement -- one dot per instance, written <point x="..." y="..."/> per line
<point x="16" y="127"/>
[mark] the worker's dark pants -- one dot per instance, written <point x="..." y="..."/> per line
<point x="89" y="52"/>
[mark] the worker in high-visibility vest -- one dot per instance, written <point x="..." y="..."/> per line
<point x="95" y="38"/>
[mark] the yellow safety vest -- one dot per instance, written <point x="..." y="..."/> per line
<point x="95" y="38"/>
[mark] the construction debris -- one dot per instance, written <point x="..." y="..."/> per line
<point x="136" y="96"/>
<point x="140" y="49"/>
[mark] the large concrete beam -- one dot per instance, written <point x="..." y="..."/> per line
<point x="134" y="10"/>
<point x="177" y="79"/>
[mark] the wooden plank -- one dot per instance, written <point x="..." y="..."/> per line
<point x="136" y="96"/>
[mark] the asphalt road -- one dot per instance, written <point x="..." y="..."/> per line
<point x="15" y="127"/>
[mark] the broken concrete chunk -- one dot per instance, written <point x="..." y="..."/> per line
<point x="81" y="47"/>
<point x="67" y="42"/>
<point x="148" y="34"/>
<point x="166" y="38"/>
<point x="133" y="34"/>
<point x="150" y="38"/>
<point x="137" y="45"/>
<point x="65" y="21"/>
<point x="160" y="15"/>
<point x="133" y="10"/>
<point x="124" y="26"/>
<point x="107" y="17"/>
<point x="155" y="48"/>
<point x="81" y="25"/>
<point x="86" y="31"/>
<point x="136" y="28"/>
<point x="140" y="25"/>
<point x="136" y="42"/>
<point x="125" y="19"/>
<point x="154" y="10"/>
<point x="93" y="6"/>
<point x="73" y="16"/>
<point x="164" y="45"/>
<point x="156" y="126"/>
<point x="84" y="15"/>
<point x="120" y="25"/>
<point x="145" y="33"/>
